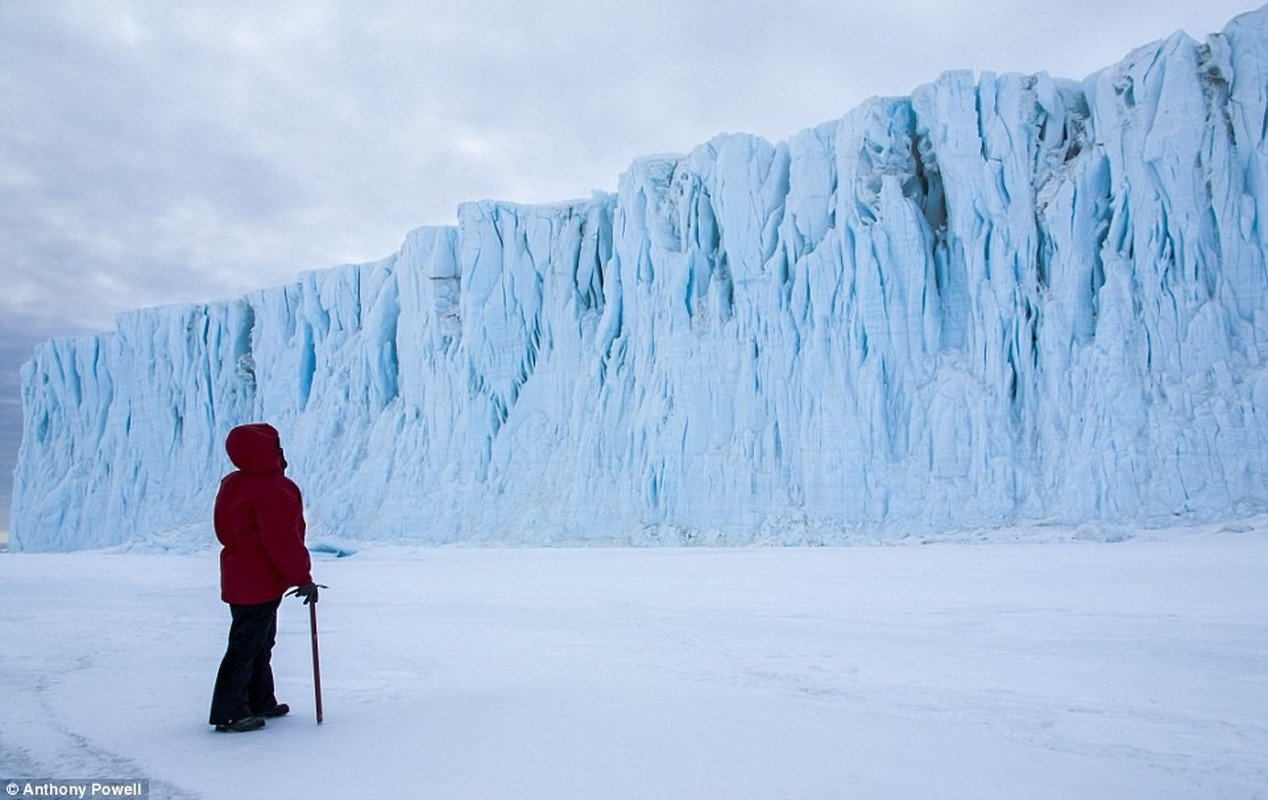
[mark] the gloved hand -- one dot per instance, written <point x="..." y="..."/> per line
<point x="308" y="591"/>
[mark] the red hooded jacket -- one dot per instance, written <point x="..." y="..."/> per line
<point x="259" y="521"/>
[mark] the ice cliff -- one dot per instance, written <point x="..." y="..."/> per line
<point x="1004" y="298"/>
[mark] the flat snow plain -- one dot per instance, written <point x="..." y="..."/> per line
<point x="1014" y="664"/>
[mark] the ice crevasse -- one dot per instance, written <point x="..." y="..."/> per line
<point x="1004" y="298"/>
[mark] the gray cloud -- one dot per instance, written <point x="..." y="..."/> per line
<point x="155" y="152"/>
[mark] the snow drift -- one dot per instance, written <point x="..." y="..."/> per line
<point x="1002" y="298"/>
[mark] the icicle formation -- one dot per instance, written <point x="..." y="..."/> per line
<point x="1007" y="299"/>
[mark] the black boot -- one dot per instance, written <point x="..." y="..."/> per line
<point x="279" y="710"/>
<point x="252" y="723"/>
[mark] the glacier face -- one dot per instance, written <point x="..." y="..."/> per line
<point x="1002" y="298"/>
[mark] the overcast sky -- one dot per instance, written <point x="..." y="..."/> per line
<point x="161" y="152"/>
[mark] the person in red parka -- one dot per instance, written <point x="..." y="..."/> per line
<point x="259" y="519"/>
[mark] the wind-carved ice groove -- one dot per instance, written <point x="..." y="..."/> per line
<point x="1003" y="298"/>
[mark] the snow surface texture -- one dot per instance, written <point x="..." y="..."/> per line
<point x="1132" y="671"/>
<point x="1009" y="298"/>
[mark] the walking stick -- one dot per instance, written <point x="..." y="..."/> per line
<point x="310" y="600"/>
<point x="312" y="621"/>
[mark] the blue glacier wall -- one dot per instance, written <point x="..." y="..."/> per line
<point x="1002" y="299"/>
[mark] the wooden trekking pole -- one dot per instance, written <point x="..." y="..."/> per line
<point x="309" y="592"/>
<point x="312" y="621"/>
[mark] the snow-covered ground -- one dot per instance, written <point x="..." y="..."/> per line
<point x="1036" y="664"/>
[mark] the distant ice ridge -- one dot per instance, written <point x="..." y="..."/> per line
<point x="996" y="300"/>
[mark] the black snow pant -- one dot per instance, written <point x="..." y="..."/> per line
<point x="244" y="684"/>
